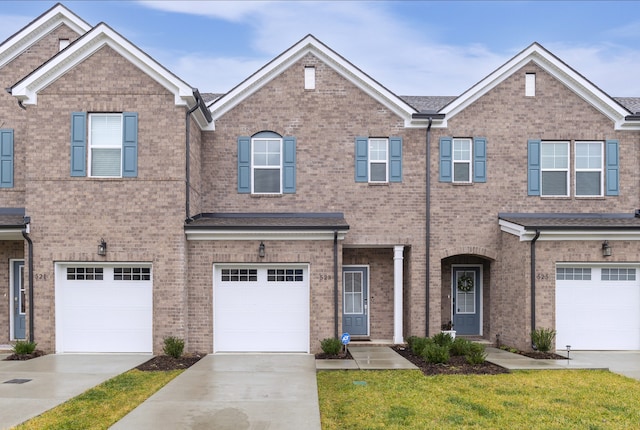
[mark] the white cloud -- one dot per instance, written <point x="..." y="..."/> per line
<point x="228" y="10"/>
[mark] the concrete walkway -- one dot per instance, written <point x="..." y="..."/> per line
<point x="368" y="358"/>
<point x="235" y="392"/>
<point x="29" y="388"/>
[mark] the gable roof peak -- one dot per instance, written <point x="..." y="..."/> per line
<point x="56" y="16"/>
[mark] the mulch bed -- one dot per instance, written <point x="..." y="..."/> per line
<point x="538" y="355"/>
<point x="166" y="362"/>
<point x="456" y="366"/>
<point x="341" y="356"/>
<point x="34" y="354"/>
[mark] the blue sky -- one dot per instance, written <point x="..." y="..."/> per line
<point x="410" y="47"/>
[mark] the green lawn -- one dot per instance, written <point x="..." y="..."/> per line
<point x="549" y="399"/>
<point x="102" y="406"/>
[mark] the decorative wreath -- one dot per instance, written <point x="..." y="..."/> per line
<point x="465" y="283"/>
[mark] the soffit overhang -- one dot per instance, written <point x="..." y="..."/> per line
<point x="571" y="226"/>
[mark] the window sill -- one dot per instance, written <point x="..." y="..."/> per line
<point x="266" y="196"/>
<point x="462" y="184"/>
<point x="378" y="184"/>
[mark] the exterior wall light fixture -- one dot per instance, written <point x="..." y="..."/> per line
<point x="102" y="247"/>
<point x="606" y="249"/>
<point x="261" y="250"/>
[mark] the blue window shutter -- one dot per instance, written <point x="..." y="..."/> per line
<point x="78" y="144"/>
<point x="362" y="159"/>
<point x="613" y="177"/>
<point x="6" y="158"/>
<point x="129" y="144"/>
<point x="479" y="159"/>
<point x="244" y="164"/>
<point x="446" y="159"/>
<point x="395" y="159"/>
<point x="289" y="165"/>
<point x="533" y="174"/>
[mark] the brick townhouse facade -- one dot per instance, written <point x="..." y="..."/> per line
<point x="306" y="202"/>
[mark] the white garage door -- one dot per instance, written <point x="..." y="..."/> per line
<point x="261" y="308"/>
<point x="597" y="308"/>
<point x="104" y="308"/>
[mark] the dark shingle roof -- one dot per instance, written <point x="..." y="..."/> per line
<point x="548" y="221"/>
<point x="12" y="218"/>
<point x="631" y="103"/>
<point x="428" y="103"/>
<point x="269" y="221"/>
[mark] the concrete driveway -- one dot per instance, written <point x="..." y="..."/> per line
<point x="235" y="392"/>
<point x="29" y="388"/>
<point x="626" y="363"/>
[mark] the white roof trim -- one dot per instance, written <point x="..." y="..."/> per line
<point x="40" y="27"/>
<point x="568" y="234"/>
<point x="310" y="45"/>
<point x="102" y="35"/>
<point x="238" y="234"/>
<point x="552" y="65"/>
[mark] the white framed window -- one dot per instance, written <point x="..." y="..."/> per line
<point x="378" y="160"/>
<point x="554" y="168"/>
<point x="462" y="160"/>
<point x="589" y="165"/>
<point x="105" y="145"/>
<point x="309" y="78"/>
<point x="266" y="165"/>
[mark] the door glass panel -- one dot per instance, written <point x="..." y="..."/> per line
<point x="23" y="294"/>
<point x="465" y="292"/>
<point x="353" y="297"/>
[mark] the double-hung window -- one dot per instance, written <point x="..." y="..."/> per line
<point x="104" y="145"/>
<point x="589" y="167"/>
<point x="266" y="155"/>
<point x="267" y="164"/>
<point x="378" y="160"/>
<point x="463" y="160"/>
<point x="554" y="163"/>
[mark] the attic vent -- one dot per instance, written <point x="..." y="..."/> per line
<point x="63" y="43"/>
<point x="309" y="78"/>
<point x="530" y="85"/>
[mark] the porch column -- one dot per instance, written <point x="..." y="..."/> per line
<point x="397" y="293"/>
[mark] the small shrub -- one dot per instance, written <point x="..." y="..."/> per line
<point x="476" y="354"/>
<point x="460" y="346"/>
<point x="435" y="354"/>
<point x="23" y="347"/>
<point x="173" y="346"/>
<point x="410" y="341"/>
<point x="331" y="346"/>
<point x="442" y="339"/>
<point x="542" y="339"/>
<point x="418" y="345"/>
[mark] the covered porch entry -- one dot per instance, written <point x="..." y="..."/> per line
<point x="13" y="275"/>
<point x="373" y="290"/>
<point x="465" y="295"/>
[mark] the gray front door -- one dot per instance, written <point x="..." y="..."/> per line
<point x="355" y="301"/>
<point x="19" y="303"/>
<point x="466" y="300"/>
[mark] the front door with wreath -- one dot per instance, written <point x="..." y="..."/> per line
<point x="466" y="300"/>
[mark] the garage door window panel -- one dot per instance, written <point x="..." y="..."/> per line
<point x="618" y="274"/>
<point x="85" y="273"/>
<point x="239" y="275"/>
<point x="132" y="274"/>
<point x="285" y="275"/>
<point x="573" y="274"/>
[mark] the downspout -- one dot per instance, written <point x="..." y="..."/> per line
<point x="428" y="226"/>
<point x="187" y="203"/>
<point x="533" y="282"/>
<point x="25" y="234"/>
<point x="335" y="282"/>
